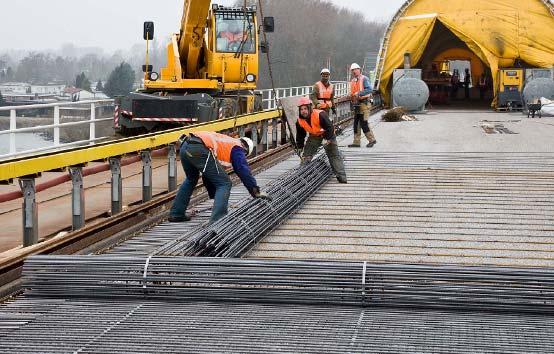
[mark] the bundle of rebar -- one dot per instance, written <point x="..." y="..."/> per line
<point x="293" y="282"/>
<point x="253" y="219"/>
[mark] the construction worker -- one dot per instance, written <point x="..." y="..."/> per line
<point x="229" y="35"/>
<point x="316" y="122"/>
<point x="482" y="86"/>
<point x="323" y="93"/>
<point x="467" y="82"/>
<point x="208" y="153"/>
<point x="360" y="94"/>
<point x="455" y="84"/>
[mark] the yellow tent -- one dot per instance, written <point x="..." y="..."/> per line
<point x="497" y="31"/>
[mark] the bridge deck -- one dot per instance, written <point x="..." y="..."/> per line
<point x="443" y="203"/>
<point x="63" y="326"/>
<point x="423" y="195"/>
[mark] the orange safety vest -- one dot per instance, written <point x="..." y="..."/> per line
<point x="313" y="126"/>
<point x="220" y="145"/>
<point x="325" y="94"/>
<point x="357" y="85"/>
<point x="232" y="37"/>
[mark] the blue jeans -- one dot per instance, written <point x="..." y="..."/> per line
<point x="196" y="158"/>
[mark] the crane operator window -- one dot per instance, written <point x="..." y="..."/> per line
<point x="235" y="33"/>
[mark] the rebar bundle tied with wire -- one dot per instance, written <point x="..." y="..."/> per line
<point x="449" y="287"/>
<point x="253" y="219"/>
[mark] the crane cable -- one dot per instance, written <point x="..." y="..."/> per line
<point x="278" y="101"/>
<point x="240" y="51"/>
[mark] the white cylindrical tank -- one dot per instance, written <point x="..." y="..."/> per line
<point x="410" y="93"/>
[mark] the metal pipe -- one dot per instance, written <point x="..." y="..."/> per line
<point x="117" y="185"/>
<point x="311" y="282"/>
<point x="171" y="168"/>
<point x="13" y="127"/>
<point x="265" y="131"/>
<point x="146" y="157"/>
<point x="236" y="233"/>
<point x="254" y="130"/>
<point x="30" y="211"/>
<point x="77" y="197"/>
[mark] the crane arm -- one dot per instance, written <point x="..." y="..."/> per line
<point x="193" y="26"/>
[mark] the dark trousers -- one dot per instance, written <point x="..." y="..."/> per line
<point x="360" y="121"/>
<point x="197" y="159"/>
<point x="332" y="151"/>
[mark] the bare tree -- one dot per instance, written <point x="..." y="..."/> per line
<point x="315" y="33"/>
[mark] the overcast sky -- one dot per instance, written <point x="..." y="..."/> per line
<point x="114" y="24"/>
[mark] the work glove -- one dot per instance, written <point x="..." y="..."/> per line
<point x="329" y="142"/>
<point x="305" y="160"/>
<point x="334" y="110"/>
<point x="258" y="194"/>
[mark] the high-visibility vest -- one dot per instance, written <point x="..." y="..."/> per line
<point x="232" y="37"/>
<point x="313" y="127"/>
<point x="357" y="85"/>
<point x="220" y="145"/>
<point x="325" y="94"/>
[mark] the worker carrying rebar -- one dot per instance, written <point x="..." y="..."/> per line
<point x="323" y="93"/>
<point x="316" y="122"/>
<point x="208" y="153"/>
<point x="360" y="94"/>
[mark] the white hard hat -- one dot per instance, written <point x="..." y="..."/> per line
<point x="248" y="143"/>
<point x="325" y="71"/>
<point x="354" y="66"/>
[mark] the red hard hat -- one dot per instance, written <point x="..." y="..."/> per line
<point x="304" y="101"/>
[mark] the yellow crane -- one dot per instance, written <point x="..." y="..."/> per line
<point x="211" y="70"/>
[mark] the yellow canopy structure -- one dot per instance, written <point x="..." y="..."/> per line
<point x="497" y="31"/>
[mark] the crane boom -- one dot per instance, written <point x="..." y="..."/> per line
<point x="193" y="26"/>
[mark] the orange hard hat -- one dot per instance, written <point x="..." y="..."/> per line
<point x="304" y="101"/>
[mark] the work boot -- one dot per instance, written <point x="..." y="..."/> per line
<point x="342" y="179"/>
<point x="183" y="218"/>
<point x="357" y="141"/>
<point x="370" y="138"/>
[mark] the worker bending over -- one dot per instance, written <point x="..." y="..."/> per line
<point x="208" y="153"/>
<point x="316" y="122"/>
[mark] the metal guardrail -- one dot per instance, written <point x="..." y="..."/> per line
<point x="56" y="126"/>
<point x="268" y="125"/>
<point x="269" y="102"/>
<point x="147" y="146"/>
<point x="33" y="165"/>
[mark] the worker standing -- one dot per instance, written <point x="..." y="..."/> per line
<point x="467" y="82"/>
<point x="482" y="86"/>
<point x="208" y="153"/>
<point x="455" y="84"/>
<point x="360" y="94"/>
<point x="323" y="93"/>
<point x="316" y="122"/>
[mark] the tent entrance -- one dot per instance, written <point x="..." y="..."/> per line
<point x="445" y="63"/>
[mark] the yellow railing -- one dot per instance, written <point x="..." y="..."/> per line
<point x="33" y="165"/>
